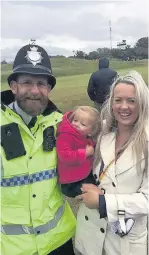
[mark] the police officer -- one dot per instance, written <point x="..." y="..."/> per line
<point x="35" y="218"/>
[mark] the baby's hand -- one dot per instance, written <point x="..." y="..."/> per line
<point x="89" y="150"/>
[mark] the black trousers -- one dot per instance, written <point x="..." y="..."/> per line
<point x="74" y="189"/>
<point x="65" y="249"/>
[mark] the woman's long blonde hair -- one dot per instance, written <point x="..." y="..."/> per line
<point x="109" y="124"/>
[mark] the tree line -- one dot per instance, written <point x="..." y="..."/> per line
<point x="139" y="51"/>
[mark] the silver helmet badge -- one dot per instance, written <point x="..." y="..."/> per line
<point x="34" y="56"/>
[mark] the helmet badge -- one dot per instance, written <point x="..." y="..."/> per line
<point x="34" y="56"/>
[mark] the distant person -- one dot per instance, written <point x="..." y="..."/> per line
<point x="76" y="138"/>
<point x="100" y="82"/>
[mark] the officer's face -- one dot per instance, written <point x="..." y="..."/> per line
<point x="31" y="93"/>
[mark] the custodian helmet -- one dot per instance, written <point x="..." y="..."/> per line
<point x="32" y="59"/>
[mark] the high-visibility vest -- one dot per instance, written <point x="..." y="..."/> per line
<point x="35" y="219"/>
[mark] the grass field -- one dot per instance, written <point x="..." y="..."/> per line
<point x="72" y="79"/>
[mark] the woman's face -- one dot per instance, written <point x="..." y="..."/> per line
<point x="125" y="107"/>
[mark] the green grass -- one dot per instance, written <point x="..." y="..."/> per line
<point x="72" y="90"/>
<point x="69" y="66"/>
<point x="72" y="79"/>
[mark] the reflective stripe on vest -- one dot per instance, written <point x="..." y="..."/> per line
<point x="28" y="179"/>
<point x="14" y="229"/>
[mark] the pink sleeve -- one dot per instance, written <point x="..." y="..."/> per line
<point x="65" y="151"/>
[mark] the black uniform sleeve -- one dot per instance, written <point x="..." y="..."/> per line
<point x="102" y="206"/>
<point x="91" y="89"/>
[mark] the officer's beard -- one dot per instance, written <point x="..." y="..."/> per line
<point x="32" y="105"/>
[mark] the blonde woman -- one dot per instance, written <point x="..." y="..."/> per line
<point x="112" y="219"/>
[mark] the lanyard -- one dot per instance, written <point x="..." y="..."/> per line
<point x="105" y="169"/>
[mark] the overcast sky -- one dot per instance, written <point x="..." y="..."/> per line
<point x="64" y="26"/>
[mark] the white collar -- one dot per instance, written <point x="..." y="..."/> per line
<point x="14" y="106"/>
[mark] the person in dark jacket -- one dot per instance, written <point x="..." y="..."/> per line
<point x="100" y="82"/>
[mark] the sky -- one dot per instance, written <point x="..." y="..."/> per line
<point x="62" y="27"/>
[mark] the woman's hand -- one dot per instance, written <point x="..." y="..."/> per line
<point x="90" y="196"/>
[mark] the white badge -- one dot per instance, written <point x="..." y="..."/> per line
<point x="34" y="56"/>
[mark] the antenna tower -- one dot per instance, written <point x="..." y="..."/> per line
<point x="110" y="27"/>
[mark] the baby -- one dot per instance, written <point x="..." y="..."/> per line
<point x="76" y="139"/>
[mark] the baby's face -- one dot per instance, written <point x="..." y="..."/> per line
<point x="83" y="122"/>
